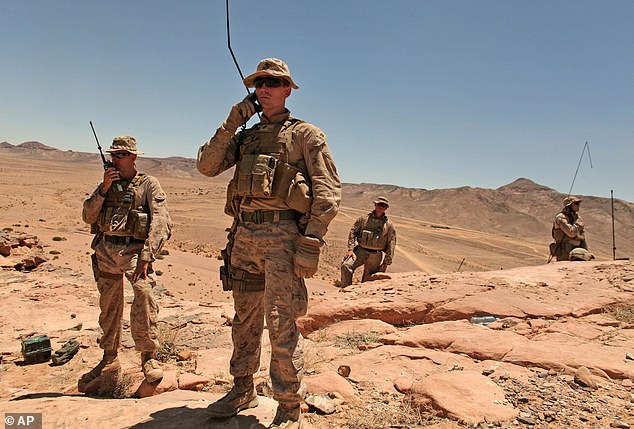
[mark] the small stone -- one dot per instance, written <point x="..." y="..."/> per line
<point x="583" y="377"/>
<point x="184" y="355"/>
<point x="629" y="356"/>
<point x="344" y="370"/>
<point x="526" y="420"/>
<point x="619" y="424"/>
<point x="73" y="315"/>
<point x="488" y="372"/>
<point x="321" y="403"/>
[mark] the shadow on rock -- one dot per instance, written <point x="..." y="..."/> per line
<point x="185" y="418"/>
<point x="46" y="395"/>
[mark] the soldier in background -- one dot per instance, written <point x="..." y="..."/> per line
<point x="284" y="193"/>
<point x="371" y="243"/>
<point x="568" y="232"/>
<point x="129" y="217"/>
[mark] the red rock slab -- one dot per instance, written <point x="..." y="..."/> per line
<point x="466" y="396"/>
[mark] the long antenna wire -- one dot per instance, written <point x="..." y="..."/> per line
<point x="578" y="165"/>
<point x="235" y="61"/>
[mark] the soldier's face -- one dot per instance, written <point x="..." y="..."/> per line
<point x="274" y="98"/>
<point x="123" y="159"/>
<point x="575" y="207"/>
<point x="379" y="209"/>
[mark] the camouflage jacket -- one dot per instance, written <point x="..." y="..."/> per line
<point x="568" y="228"/>
<point x="148" y="194"/>
<point x="384" y="231"/>
<point x="308" y="148"/>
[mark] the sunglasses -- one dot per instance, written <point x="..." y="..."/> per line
<point x="119" y="155"/>
<point x="270" y="82"/>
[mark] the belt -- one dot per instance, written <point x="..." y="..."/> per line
<point x="370" y="250"/>
<point x="116" y="239"/>
<point x="262" y="216"/>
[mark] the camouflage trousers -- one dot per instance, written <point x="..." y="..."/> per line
<point x="113" y="262"/>
<point x="268" y="249"/>
<point x="371" y="262"/>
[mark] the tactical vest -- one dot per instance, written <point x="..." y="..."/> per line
<point x="263" y="169"/>
<point x="118" y="216"/>
<point x="372" y="232"/>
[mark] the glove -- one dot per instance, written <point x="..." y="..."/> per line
<point x="306" y="257"/>
<point x="240" y="114"/>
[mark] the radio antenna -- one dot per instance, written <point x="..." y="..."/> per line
<point x="235" y="61"/>
<point x="586" y="146"/>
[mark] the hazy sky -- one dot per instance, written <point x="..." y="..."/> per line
<point x="423" y="94"/>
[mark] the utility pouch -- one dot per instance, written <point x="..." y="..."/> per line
<point x="232" y="205"/>
<point x="292" y="187"/>
<point x="299" y="196"/>
<point x="95" y="266"/>
<point x="255" y="175"/>
<point x="139" y="224"/>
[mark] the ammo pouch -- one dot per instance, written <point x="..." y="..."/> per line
<point x="255" y="176"/>
<point x="370" y="238"/>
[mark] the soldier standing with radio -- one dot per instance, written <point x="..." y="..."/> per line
<point x="284" y="193"/>
<point x="371" y="236"/>
<point x="129" y="217"/>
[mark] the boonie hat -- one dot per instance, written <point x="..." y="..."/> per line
<point x="124" y="143"/>
<point x="382" y="200"/>
<point x="569" y="200"/>
<point x="270" y="67"/>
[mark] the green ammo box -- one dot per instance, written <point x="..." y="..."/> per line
<point x="36" y="349"/>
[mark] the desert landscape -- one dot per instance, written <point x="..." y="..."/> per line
<point x="397" y="352"/>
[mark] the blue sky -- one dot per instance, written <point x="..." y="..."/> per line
<point x="423" y="94"/>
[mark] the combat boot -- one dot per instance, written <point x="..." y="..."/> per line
<point x="109" y="364"/>
<point x="241" y="396"/>
<point x="287" y="418"/>
<point x="151" y="368"/>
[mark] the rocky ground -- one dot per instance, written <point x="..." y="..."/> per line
<point x="397" y="352"/>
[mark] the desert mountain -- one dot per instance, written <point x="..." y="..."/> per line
<point x="438" y="230"/>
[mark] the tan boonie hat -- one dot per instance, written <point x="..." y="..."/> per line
<point x="382" y="200"/>
<point x="569" y="200"/>
<point x="270" y="67"/>
<point x="124" y="143"/>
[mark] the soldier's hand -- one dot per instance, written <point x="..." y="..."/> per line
<point x="349" y="255"/>
<point x="109" y="176"/>
<point x="240" y="114"/>
<point x="383" y="268"/>
<point x="306" y="257"/>
<point x="141" y="271"/>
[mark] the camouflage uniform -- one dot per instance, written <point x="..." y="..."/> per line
<point x="117" y="255"/>
<point x="371" y="256"/>
<point x="568" y="231"/>
<point x="267" y="248"/>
